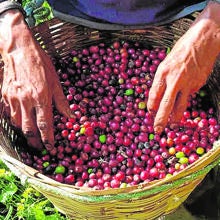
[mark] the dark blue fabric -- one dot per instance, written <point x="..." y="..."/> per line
<point x="125" y="12"/>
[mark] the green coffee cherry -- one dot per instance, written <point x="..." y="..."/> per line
<point x="142" y="105"/>
<point x="129" y="92"/>
<point x="46" y="164"/>
<point x="75" y="59"/>
<point x="151" y="136"/>
<point x="82" y="130"/>
<point x="183" y="160"/>
<point x="123" y="185"/>
<point x="60" y="169"/>
<point x="202" y="93"/>
<point x="44" y="152"/>
<point x="200" y="150"/>
<point x="102" y="138"/>
<point x="90" y="170"/>
<point x="180" y="154"/>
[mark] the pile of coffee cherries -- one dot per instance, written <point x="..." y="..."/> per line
<point x="111" y="142"/>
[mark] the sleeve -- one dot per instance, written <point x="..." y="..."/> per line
<point x="20" y="2"/>
<point x="8" y="5"/>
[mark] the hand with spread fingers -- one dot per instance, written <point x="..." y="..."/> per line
<point x="185" y="69"/>
<point x="30" y="83"/>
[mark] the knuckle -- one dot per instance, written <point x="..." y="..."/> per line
<point x="153" y="96"/>
<point x="28" y="133"/>
<point x="7" y="94"/>
<point x="24" y="95"/>
<point x="40" y="93"/>
<point x="42" y="125"/>
<point x="162" y="69"/>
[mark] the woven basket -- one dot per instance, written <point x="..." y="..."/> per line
<point x="144" y="201"/>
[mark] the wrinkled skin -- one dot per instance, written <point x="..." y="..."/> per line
<point x="186" y="68"/>
<point x="30" y="85"/>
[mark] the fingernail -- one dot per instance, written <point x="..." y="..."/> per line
<point x="70" y="113"/>
<point x="28" y="134"/>
<point x="53" y="152"/>
<point x="158" y="129"/>
<point x="49" y="147"/>
<point x="173" y="125"/>
<point x="13" y="123"/>
<point x="72" y="116"/>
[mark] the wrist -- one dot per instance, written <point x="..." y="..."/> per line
<point x="212" y="11"/>
<point x="209" y="22"/>
<point x="14" y="32"/>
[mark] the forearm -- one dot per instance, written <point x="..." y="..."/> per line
<point x="207" y="26"/>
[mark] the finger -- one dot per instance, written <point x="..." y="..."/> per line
<point x="156" y="93"/>
<point x="59" y="98"/>
<point x="29" y="126"/>
<point x="4" y="100"/>
<point x="179" y="107"/>
<point x="45" y="125"/>
<point x="15" y="113"/>
<point x="5" y="108"/>
<point x="164" y="110"/>
<point x="61" y="101"/>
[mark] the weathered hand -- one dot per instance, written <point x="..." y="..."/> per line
<point x="184" y="71"/>
<point x="30" y="86"/>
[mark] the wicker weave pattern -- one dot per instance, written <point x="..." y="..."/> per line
<point x="145" y="201"/>
<point x="58" y="37"/>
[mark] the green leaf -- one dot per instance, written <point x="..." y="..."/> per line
<point x="39" y="214"/>
<point x="7" y="193"/>
<point x="55" y="217"/>
<point x="39" y="210"/>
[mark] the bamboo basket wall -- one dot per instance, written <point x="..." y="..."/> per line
<point x="144" y="201"/>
